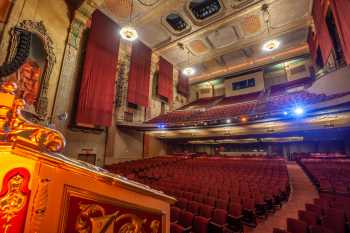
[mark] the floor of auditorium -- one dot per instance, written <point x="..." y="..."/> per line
<point x="303" y="192"/>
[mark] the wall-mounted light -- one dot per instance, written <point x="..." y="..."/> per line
<point x="228" y="121"/>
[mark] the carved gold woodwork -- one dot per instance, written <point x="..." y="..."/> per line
<point x="155" y="224"/>
<point x="105" y="223"/>
<point x="40" y="204"/>
<point x="14" y="127"/>
<point x="13" y="202"/>
<point x="38" y="28"/>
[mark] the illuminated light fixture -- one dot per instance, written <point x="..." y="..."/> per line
<point x="161" y="126"/>
<point x="228" y="121"/>
<point x="189" y="71"/>
<point x="128" y="33"/>
<point x="244" y="119"/>
<point x="271" y="45"/>
<point x="285" y="113"/>
<point x="299" y="111"/>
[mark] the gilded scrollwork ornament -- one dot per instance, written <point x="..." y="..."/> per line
<point x="93" y="219"/>
<point x="13" y="126"/>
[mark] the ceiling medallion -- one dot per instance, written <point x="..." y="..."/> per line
<point x="189" y="71"/>
<point x="128" y="33"/>
<point x="271" y="45"/>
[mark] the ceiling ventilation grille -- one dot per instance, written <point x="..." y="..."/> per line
<point x="176" y="22"/>
<point x="202" y="9"/>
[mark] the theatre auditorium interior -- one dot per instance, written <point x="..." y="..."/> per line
<point x="174" y="116"/>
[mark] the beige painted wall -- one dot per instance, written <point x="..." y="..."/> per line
<point x="128" y="145"/>
<point x="54" y="14"/>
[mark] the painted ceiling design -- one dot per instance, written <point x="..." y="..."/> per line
<point x="230" y="37"/>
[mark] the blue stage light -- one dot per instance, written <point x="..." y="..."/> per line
<point x="285" y="113"/>
<point x="299" y="111"/>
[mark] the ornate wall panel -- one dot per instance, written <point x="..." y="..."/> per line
<point x="14" y="198"/>
<point x="87" y="212"/>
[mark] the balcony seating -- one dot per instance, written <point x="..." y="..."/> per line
<point x="236" y="106"/>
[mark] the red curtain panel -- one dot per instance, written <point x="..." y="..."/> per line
<point x="323" y="37"/>
<point x="341" y="12"/>
<point x="97" y="91"/>
<point x="313" y="45"/>
<point x="4" y="8"/>
<point x="139" y="75"/>
<point x="165" y="80"/>
<point x="183" y="85"/>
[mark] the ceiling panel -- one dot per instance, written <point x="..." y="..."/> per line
<point x="234" y="57"/>
<point x="285" y="11"/>
<point x="223" y="37"/>
<point x="198" y="47"/>
<point x="148" y="31"/>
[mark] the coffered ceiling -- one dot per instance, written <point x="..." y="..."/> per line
<point x="228" y="41"/>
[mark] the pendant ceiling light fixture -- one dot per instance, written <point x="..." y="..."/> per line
<point x="129" y="32"/>
<point x="274" y="44"/>
<point x="189" y="70"/>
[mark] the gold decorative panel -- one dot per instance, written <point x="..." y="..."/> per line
<point x="251" y="24"/>
<point x="88" y="212"/>
<point x="198" y="46"/>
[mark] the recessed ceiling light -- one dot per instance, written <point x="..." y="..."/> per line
<point x="189" y="71"/>
<point x="128" y="33"/>
<point x="271" y="45"/>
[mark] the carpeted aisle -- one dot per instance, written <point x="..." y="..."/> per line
<point x="303" y="192"/>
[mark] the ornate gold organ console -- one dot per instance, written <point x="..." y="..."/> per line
<point x="42" y="191"/>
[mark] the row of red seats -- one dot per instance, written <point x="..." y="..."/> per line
<point x="229" y="109"/>
<point x="332" y="176"/>
<point x="328" y="214"/>
<point x="219" y="194"/>
<point x="129" y="168"/>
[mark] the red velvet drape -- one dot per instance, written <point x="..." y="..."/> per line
<point x="165" y="79"/>
<point x="323" y="37"/>
<point x="341" y="12"/>
<point x="97" y="91"/>
<point x="139" y="75"/>
<point x="313" y="45"/>
<point x="183" y="85"/>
